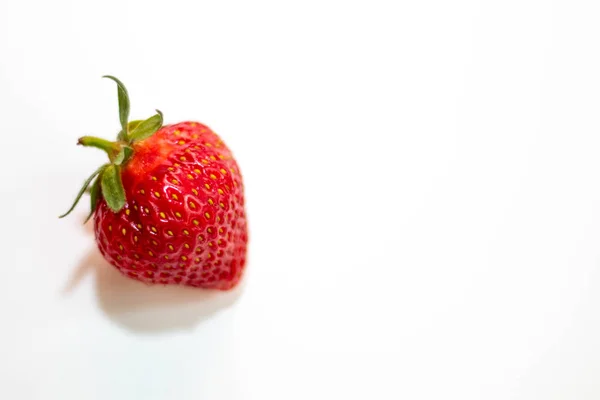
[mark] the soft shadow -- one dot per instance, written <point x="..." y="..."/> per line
<point x="150" y="308"/>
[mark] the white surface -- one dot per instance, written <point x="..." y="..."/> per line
<point x="422" y="186"/>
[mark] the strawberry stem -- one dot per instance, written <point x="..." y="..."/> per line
<point x="111" y="148"/>
<point x="109" y="184"/>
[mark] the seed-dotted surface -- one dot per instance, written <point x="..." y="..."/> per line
<point x="184" y="220"/>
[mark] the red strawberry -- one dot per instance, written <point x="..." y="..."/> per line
<point x="169" y="207"/>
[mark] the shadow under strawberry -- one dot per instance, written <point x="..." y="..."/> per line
<point x="143" y="308"/>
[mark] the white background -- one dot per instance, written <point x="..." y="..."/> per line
<point x="422" y="188"/>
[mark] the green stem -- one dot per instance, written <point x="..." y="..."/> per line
<point x="111" y="148"/>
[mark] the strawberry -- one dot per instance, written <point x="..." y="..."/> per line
<point x="168" y="207"/>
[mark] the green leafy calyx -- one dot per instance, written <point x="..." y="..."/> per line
<point x="108" y="184"/>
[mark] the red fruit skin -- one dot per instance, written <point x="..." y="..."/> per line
<point x="184" y="220"/>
